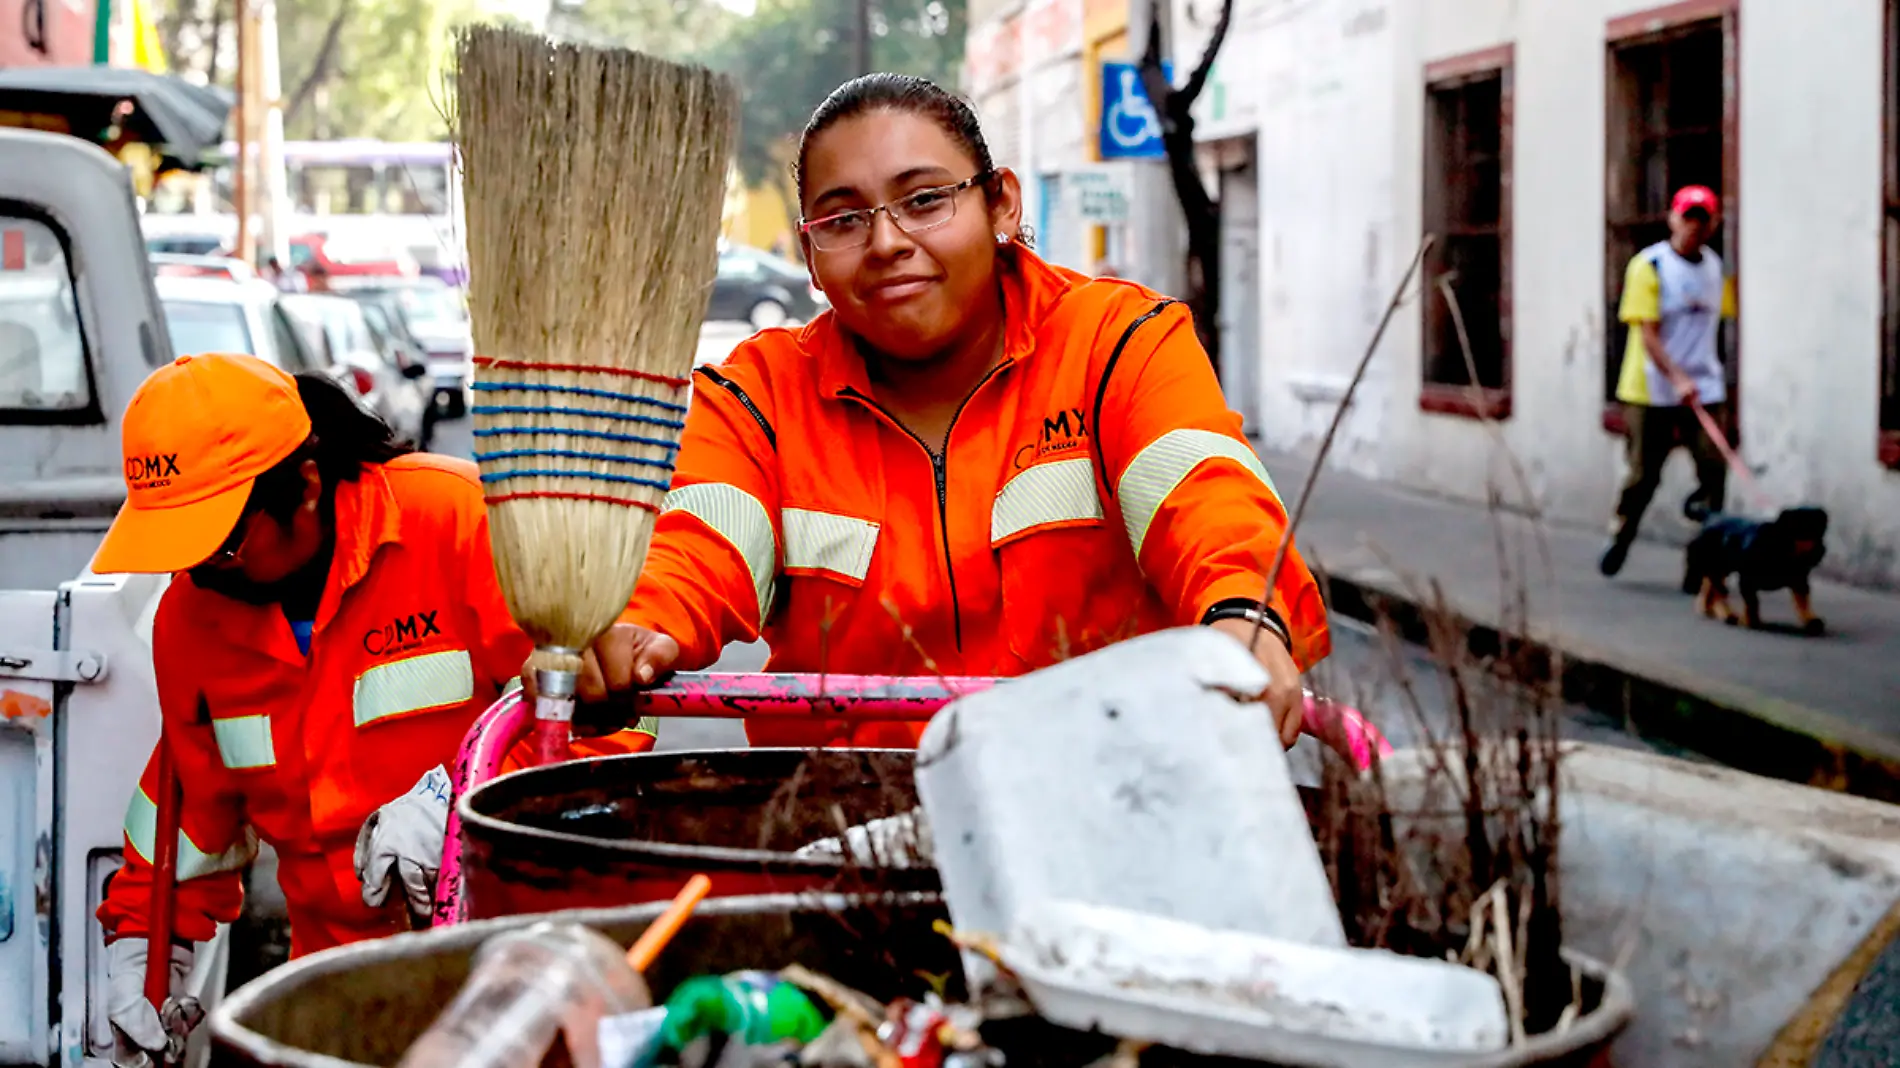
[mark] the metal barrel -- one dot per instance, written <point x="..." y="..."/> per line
<point x="366" y="1003"/>
<point x="622" y="830"/>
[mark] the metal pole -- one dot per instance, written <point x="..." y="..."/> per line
<point x="273" y="185"/>
<point x="1157" y="234"/>
<point x="863" y="36"/>
<point x="240" y="179"/>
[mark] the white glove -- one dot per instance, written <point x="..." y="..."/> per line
<point x="133" y="1017"/>
<point x="404" y="839"/>
<point x="900" y="841"/>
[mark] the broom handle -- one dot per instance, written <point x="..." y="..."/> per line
<point x="158" y="921"/>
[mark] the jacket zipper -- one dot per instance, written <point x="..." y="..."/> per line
<point x="727" y="384"/>
<point x="939" y="467"/>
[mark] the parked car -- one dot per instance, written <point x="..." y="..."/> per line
<point x="761" y="290"/>
<point x="214" y="315"/>
<point x="189" y="244"/>
<point x="336" y="258"/>
<point x="336" y="326"/>
<point x="410" y="358"/>
<point x="180" y="265"/>
<point x="435" y="316"/>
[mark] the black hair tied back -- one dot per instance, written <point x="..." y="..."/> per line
<point x="344" y="436"/>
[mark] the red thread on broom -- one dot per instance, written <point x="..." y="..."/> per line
<point x="579" y="368"/>
<point x="531" y="495"/>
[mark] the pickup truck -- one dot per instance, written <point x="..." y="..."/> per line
<point x="80" y="328"/>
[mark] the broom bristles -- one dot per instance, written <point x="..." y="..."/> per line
<point x="593" y="183"/>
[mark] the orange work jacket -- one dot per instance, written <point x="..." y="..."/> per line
<point x="1094" y="486"/>
<point x="412" y="642"/>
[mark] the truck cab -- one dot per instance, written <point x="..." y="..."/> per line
<point x="80" y="328"/>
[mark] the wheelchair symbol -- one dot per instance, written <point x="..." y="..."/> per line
<point x="1132" y="121"/>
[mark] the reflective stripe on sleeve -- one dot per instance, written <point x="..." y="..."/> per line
<point x="245" y="742"/>
<point x="824" y="541"/>
<point x="1047" y="493"/>
<point x="412" y="684"/>
<point x="1159" y="469"/>
<point x="141" y="831"/>
<point x="742" y="521"/>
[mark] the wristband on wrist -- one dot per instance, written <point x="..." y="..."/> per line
<point x="1261" y="615"/>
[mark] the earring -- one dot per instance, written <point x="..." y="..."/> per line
<point x="1002" y="238"/>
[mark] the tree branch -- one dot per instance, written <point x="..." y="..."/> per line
<point x="320" y="67"/>
<point x="1198" y="80"/>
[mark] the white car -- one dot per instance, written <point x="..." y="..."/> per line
<point x="180" y="265"/>
<point x="214" y="315"/>
<point x="337" y="327"/>
<point x="435" y="315"/>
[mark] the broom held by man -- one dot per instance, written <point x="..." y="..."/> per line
<point x="977" y="463"/>
<point x="333" y="628"/>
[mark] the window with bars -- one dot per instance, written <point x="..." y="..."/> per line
<point x="1467" y="335"/>
<point x="1670" y="124"/>
<point x="1890" y="238"/>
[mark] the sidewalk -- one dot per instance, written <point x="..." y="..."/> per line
<point x="1819" y="710"/>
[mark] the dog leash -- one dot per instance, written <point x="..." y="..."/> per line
<point x="1735" y="464"/>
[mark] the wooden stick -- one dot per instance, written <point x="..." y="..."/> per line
<point x="1326" y="443"/>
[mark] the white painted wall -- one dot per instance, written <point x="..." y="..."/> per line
<point x="1811" y="217"/>
<point x="1338" y="90"/>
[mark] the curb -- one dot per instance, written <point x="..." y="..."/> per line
<point x="1763" y="740"/>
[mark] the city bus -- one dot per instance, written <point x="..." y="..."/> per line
<point x="404" y="197"/>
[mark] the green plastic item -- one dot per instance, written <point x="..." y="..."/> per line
<point x="754" y="1007"/>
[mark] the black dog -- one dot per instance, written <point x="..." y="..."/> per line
<point x="1774" y="554"/>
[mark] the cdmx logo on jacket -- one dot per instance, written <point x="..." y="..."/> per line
<point x="401" y="633"/>
<point x="1064" y="430"/>
<point x="151" y="472"/>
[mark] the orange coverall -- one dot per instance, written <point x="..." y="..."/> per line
<point x="1095" y="487"/>
<point x="412" y="642"/>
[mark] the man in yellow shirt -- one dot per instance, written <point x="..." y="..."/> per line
<point x="1675" y="295"/>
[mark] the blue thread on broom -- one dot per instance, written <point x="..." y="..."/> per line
<point x="573" y="454"/>
<point x="588" y="413"/>
<point x="602" y="435"/>
<point x="577" y="391"/>
<point x="489" y="478"/>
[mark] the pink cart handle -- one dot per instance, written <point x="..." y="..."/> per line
<point x="484" y="748"/>
<point x="708" y="695"/>
<point x="712" y="695"/>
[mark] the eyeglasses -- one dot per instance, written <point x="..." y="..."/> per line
<point x="926" y="209"/>
<point x="227" y="553"/>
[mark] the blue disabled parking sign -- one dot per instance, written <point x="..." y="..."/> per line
<point x="1130" y="127"/>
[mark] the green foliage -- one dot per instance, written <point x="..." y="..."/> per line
<point x="374" y="68"/>
<point x="792" y="53"/>
<point x="673" y="29"/>
<point x="366" y="68"/>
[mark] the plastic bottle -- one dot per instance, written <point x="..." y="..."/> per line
<point x="753" y="1007"/>
<point x="525" y="987"/>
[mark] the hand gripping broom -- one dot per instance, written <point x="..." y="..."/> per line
<point x="593" y="180"/>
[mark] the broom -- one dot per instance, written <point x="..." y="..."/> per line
<point x="593" y="183"/>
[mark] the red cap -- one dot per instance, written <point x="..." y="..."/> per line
<point x="1696" y="196"/>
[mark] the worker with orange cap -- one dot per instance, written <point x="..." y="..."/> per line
<point x="334" y="627"/>
<point x="974" y="463"/>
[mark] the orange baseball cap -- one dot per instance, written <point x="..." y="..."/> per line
<point x="197" y="434"/>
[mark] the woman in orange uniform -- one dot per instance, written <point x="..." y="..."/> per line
<point x="335" y="627"/>
<point x="976" y="463"/>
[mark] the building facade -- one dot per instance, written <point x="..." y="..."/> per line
<point x="1538" y="143"/>
<point x="1034" y="70"/>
